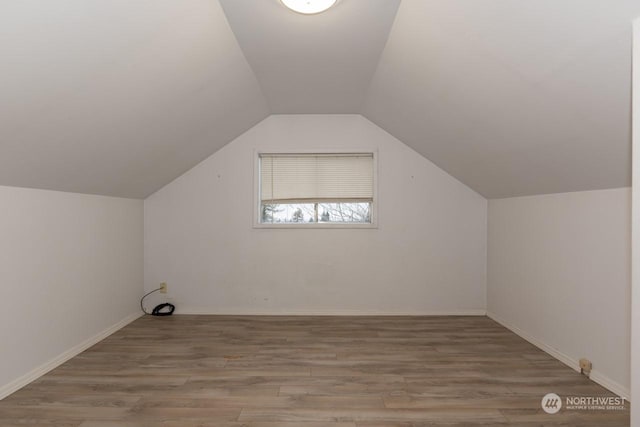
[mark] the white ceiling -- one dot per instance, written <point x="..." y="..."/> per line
<point x="119" y="97"/>
<point x="312" y="64"/>
<point x="512" y="97"/>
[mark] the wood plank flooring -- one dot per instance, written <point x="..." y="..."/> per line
<point x="233" y="371"/>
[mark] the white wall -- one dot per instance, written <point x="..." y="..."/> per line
<point x="427" y="256"/>
<point x="71" y="268"/>
<point x="635" y="320"/>
<point x="559" y="274"/>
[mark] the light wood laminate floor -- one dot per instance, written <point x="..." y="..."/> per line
<point x="233" y="371"/>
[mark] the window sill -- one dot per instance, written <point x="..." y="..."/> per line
<point x="315" y="226"/>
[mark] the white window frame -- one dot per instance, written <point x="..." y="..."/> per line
<point x="257" y="199"/>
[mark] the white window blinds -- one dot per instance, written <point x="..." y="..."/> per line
<point x="287" y="178"/>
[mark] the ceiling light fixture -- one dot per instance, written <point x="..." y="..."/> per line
<point x="308" y="7"/>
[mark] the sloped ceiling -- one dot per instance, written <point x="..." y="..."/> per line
<point x="312" y="64"/>
<point x="119" y="97"/>
<point x="512" y="97"/>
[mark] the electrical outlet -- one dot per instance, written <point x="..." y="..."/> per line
<point x="163" y="288"/>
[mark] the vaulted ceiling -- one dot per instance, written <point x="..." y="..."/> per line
<point x="119" y="97"/>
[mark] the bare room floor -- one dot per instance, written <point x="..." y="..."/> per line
<point x="233" y="371"/>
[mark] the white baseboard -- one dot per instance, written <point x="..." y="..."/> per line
<point x="327" y="312"/>
<point x="39" y="371"/>
<point x="571" y="362"/>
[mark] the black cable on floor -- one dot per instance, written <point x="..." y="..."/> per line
<point x="146" y="295"/>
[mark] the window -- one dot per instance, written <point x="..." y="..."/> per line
<point x="319" y="188"/>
